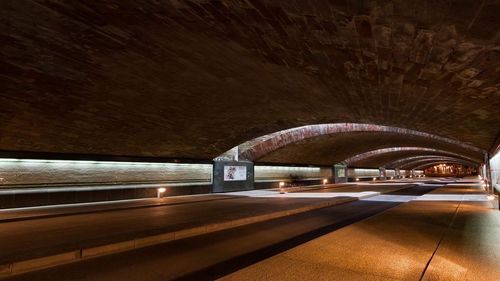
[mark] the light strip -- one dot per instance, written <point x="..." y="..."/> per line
<point x="92" y="162"/>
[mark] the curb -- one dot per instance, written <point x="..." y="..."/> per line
<point x="313" y="187"/>
<point x="45" y="216"/>
<point x="15" y="219"/>
<point x="15" y="268"/>
<point x="104" y="210"/>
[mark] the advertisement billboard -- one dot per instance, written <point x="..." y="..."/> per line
<point x="235" y="173"/>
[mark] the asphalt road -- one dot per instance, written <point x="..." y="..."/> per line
<point x="214" y="255"/>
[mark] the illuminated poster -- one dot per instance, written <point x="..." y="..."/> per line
<point x="341" y="173"/>
<point x="235" y="173"/>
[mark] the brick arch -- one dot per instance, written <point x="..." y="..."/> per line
<point x="430" y="164"/>
<point x="416" y="163"/>
<point x="405" y="161"/>
<point x="355" y="160"/>
<point x="257" y="148"/>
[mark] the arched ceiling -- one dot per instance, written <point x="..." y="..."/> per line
<point x="381" y="157"/>
<point x="434" y="163"/>
<point x="327" y="144"/>
<point x="409" y="160"/>
<point x="191" y="79"/>
<point x="419" y="163"/>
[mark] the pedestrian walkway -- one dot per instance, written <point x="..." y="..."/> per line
<point x="451" y="233"/>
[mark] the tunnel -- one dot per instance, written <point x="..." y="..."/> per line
<point x="113" y="103"/>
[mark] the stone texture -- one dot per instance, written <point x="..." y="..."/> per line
<point x="379" y="160"/>
<point x="68" y="172"/>
<point x="331" y="149"/>
<point x="195" y="78"/>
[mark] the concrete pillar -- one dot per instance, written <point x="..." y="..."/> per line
<point x="340" y="173"/>
<point x="382" y="173"/>
<point x="232" y="176"/>
<point x="397" y="173"/>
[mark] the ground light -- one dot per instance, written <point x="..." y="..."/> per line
<point x="282" y="187"/>
<point x="325" y="181"/>
<point x="160" y="191"/>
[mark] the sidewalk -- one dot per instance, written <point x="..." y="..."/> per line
<point x="449" y="234"/>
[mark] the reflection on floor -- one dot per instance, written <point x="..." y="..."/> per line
<point x="451" y="233"/>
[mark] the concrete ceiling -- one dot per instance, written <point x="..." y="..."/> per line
<point x="191" y="79"/>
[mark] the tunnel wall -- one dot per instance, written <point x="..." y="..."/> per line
<point x="270" y="176"/>
<point x="48" y="172"/>
<point x="49" y="182"/>
<point x="390" y="173"/>
<point x="280" y="173"/>
<point x="495" y="171"/>
<point x="362" y="174"/>
<point x="44" y="172"/>
<point x="419" y="172"/>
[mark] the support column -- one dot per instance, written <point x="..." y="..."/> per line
<point x="232" y="176"/>
<point x="397" y="173"/>
<point x="340" y="173"/>
<point x="382" y="173"/>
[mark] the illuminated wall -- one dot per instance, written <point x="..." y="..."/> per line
<point x="286" y="173"/>
<point x="390" y="173"/>
<point x="363" y="173"/>
<point x="419" y="172"/>
<point x="15" y="172"/>
<point x="39" y="172"/>
<point x="495" y="171"/>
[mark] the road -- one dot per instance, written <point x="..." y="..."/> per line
<point x="214" y="255"/>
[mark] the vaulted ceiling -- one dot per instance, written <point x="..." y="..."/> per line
<point x="191" y="79"/>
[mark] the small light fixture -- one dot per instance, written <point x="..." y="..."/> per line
<point x="282" y="187"/>
<point x="160" y="191"/>
<point x="325" y="181"/>
<point x="374" y="178"/>
<point x="357" y="179"/>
